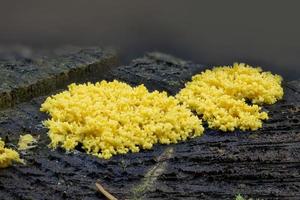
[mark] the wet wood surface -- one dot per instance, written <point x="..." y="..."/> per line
<point x="262" y="164"/>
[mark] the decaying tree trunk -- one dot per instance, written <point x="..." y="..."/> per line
<point x="263" y="164"/>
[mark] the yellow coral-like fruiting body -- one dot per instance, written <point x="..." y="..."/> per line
<point x="220" y="96"/>
<point x="8" y="156"/>
<point x="26" y="141"/>
<point x="110" y="118"/>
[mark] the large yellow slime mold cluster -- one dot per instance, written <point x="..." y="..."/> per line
<point x="220" y="95"/>
<point x="8" y="156"/>
<point x="110" y="118"/>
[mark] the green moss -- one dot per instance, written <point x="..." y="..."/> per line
<point x="239" y="197"/>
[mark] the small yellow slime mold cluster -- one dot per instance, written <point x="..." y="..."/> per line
<point x="26" y="141"/>
<point x="110" y="118"/>
<point x="220" y="96"/>
<point x="8" y="156"/>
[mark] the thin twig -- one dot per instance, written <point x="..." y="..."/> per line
<point x="104" y="192"/>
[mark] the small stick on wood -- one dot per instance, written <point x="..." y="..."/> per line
<point x="104" y="192"/>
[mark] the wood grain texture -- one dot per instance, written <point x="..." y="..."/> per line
<point x="22" y="79"/>
<point x="263" y="164"/>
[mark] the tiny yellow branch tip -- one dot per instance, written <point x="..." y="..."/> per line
<point x="26" y="141"/>
<point x="8" y="156"/>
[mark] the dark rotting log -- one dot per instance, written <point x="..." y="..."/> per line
<point x="157" y="71"/>
<point x="24" y="78"/>
<point x="263" y="164"/>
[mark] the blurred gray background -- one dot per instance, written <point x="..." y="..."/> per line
<point x="212" y="32"/>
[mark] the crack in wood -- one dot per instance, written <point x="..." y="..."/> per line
<point x="151" y="176"/>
